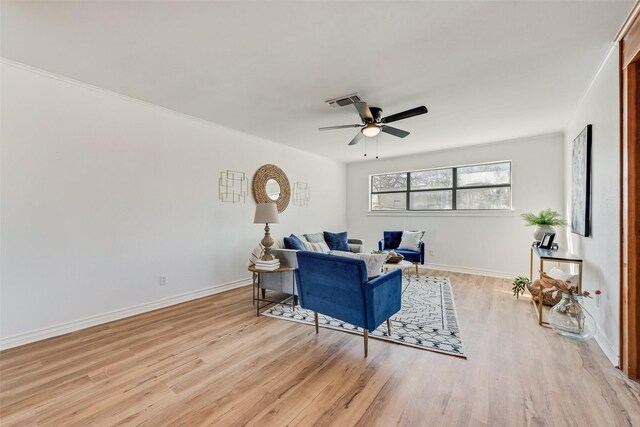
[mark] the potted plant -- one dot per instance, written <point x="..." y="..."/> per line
<point x="519" y="284"/>
<point x="544" y="222"/>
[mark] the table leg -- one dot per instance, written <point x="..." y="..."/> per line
<point x="580" y="277"/>
<point x="540" y="296"/>
<point x="293" y="290"/>
<point x="253" y="288"/>
<point x="531" y="266"/>
<point x="258" y="297"/>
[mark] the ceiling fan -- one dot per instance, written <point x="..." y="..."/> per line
<point x="373" y="123"/>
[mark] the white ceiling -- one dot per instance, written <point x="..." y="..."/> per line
<point x="487" y="71"/>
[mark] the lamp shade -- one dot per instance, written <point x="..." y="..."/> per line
<point x="266" y="213"/>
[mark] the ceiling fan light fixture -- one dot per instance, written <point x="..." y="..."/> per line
<point x="371" y="130"/>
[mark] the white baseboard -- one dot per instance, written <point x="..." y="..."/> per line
<point x="476" y="271"/>
<point x="607" y="349"/>
<point x="76" y="325"/>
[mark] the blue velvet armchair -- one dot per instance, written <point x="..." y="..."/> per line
<point x="338" y="287"/>
<point x="391" y="241"/>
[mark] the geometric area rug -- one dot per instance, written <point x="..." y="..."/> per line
<point x="427" y="319"/>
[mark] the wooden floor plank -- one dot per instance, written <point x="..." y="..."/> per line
<point x="212" y="361"/>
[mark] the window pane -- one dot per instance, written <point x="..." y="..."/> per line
<point x="424" y="200"/>
<point x="389" y="201"/>
<point x="484" y="198"/>
<point x="497" y="173"/>
<point x="426" y="180"/>
<point x="389" y="182"/>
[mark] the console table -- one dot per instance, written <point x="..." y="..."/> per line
<point x="557" y="256"/>
<point x="256" y="273"/>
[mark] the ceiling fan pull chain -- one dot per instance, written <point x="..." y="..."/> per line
<point x="365" y="147"/>
<point x="377" y="136"/>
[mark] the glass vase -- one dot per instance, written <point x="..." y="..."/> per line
<point x="570" y="319"/>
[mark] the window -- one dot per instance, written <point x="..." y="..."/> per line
<point x="475" y="187"/>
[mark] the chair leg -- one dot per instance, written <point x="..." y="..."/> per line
<point x="389" y="327"/>
<point x="264" y="293"/>
<point x="366" y="343"/>
<point x="315" y="318"/>
<point x="417" y="273"/>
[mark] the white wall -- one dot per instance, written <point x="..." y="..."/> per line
<point x="101" y="194"/>
<point x="601" y="251"/>
<point x="494" y="244"/>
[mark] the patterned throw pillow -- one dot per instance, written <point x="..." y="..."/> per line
<point x="411" y="240"/>
<point x="374" y="262"/>
<point x="315" y="237"/>
<point x="320" y="247"/>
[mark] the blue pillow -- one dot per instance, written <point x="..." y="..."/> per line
<point x="293" y="242"/>
<point x="337" y="241"/>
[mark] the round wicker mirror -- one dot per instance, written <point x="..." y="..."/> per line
<point x="268" y="178"/>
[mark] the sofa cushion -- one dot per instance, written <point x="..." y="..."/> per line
<point x="410" y="240"/>
<point x="374" y="262"/>
<point x="337" y="241"/>
<point x="320" y="247"/>
<point x="411" y="256"/>
<point x="315" y="237"/>
<point x="294" y="242"/>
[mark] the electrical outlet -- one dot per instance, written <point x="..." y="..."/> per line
<point x="431" y="252"/>
<point x="164" y="280"/>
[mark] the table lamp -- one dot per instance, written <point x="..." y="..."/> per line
<point x="266" y="213"/>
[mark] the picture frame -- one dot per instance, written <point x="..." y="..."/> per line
<point x="547" y="241"/>
<point x="581" y="183"/>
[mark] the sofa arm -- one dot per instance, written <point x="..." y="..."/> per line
<point x="287" y="257"/>
<point x="356" y="245"/>
<point x="383" y="298"/>
<point x="421" y="252"/>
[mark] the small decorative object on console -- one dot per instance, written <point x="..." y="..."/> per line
<point x="547" y="241"/>
<point x="544" y="222"/>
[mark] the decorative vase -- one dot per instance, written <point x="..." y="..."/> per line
<point x="540" y="230"/>
<point x="570" y="319"/>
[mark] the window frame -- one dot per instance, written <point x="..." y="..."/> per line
<point x="454" y="189"/>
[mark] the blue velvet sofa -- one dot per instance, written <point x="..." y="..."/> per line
<point x="338" y="287"/>
<point x="391" y="241"/>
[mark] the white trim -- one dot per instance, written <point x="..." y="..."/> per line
<point x="607" y="349"/>
<point x="475" y="271"/>
<point x="624" y="28"/>
<point x="459" y="212"/>
<point x="87" y="322"/>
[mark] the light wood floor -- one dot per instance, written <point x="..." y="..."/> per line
<point x="212" y="361"/>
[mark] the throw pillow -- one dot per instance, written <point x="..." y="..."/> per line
<point x="320" y="247"/>
<point x="315" y="237"/>
<point x="374" y="262"/>
<point x="294" y="242"/>
<point x="337" y="241"/>
<point x="411" y="240"/>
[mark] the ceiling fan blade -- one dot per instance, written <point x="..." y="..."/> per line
<point x="356" y="138"/>
<point x="394" y="131"/>
<point x="405" y="114"/>
<point x="363" y="110"/>
<point x="339" y="127"/>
